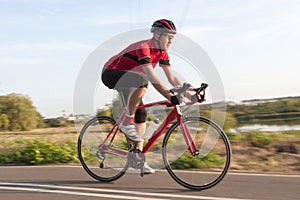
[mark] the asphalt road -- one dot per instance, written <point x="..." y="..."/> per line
<point x="72" y="182"/>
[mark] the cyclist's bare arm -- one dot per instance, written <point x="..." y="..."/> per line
<point x="157" y="84"/>
<point x="172" y="78"/>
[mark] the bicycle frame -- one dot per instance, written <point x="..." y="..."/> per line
<point x="174" y="113"/>
<point x="119" y="158"/>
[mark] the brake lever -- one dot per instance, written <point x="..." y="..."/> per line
<point x="202" y="88"/>
<point x="201" y="92"/>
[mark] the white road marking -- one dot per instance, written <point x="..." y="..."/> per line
<point x="76" y="193"/>
<point x="16" y="186"/>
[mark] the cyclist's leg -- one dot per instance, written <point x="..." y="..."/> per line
<point x="135" y="118"/>
<point x="133" y="87"/>
<point x="140" y="123"/>
<point x="135" y="99"/>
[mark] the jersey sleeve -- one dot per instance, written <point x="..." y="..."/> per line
<point x="143" y="55"/>
<point x="164" y="61"/>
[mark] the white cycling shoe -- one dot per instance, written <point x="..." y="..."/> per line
<point x="148" y="169"/>
<point x="130" y="132"/>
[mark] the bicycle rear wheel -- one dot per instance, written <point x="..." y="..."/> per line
<point x="200" y="171"/>
<point x="102" y="149"/>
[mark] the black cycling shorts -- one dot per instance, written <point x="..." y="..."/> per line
<point x="120" y="79"/>
<point x="124" y="82"/>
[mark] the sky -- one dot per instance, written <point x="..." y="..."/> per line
<point x="253" y="44"/>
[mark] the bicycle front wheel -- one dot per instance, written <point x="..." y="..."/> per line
<point x="210" y="164"/>
<point x="102" y="149"/>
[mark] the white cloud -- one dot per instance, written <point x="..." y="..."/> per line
<point x="49" y="11"/>
<point x="21" y="62"/>
<point x="46" y="53"/>
<point x="100" y="20"/>
<point x="199" y="31"/>
<point x="48" y="46"/>
<point x="254" y="36"/>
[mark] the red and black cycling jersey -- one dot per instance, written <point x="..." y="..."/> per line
<point x="138" y="55"/>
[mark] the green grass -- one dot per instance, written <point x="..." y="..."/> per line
<point x="262" y="139"/>
<point x="189" y="161"/>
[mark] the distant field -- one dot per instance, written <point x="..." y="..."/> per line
<point x="47" y="134"/>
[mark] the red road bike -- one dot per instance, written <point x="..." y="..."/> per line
<point x="195" y="150"/>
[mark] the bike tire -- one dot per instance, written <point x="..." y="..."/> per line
<point x="202" y="171"/>
<point x="91" y="136"/>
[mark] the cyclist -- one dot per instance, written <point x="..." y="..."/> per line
<point x="131" y="69"/>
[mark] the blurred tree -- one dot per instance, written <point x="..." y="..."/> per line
<point x="52" y="122"/>
<point x="106" y="111"/>
<point x="4" y="122"/>
<point x="40" y="121"/>
<point x="21" y="113"/>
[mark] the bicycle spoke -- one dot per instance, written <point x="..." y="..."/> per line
<point x="200" y="171"/>
<point x="103" y="158"/>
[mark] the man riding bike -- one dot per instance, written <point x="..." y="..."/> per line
<point x="129" y="72"/>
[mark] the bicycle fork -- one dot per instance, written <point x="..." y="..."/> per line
<point x="187" y="135"/>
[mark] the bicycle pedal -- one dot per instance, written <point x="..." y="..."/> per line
<point x="131" y="145"/>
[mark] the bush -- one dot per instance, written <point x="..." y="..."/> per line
<point x="52" y="122"/>
<point x="289" y="148"/>
<point x="41" y="152"/>
<point x="258" y="139"/>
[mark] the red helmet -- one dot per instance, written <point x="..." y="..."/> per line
<point x="163" y="25"/>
